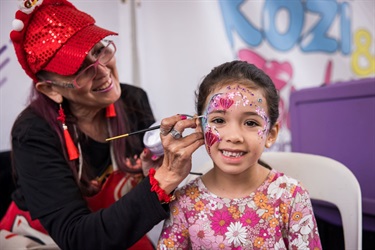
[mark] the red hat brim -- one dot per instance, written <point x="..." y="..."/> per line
<point x="69" y="58"/>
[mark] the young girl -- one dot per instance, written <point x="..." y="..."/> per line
<point x="240" y="203"/>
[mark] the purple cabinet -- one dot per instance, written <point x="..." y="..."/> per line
<point x="338" y="121"/>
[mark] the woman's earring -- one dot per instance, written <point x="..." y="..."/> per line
<point x="110" y="111"/>
<point x="70" y="147"/>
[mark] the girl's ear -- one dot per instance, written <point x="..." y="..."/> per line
<point x="272" y="135"/>
<point x="199" y="125"/>
<point x="49" y="91"/>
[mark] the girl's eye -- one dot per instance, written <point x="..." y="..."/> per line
<point x="217" y="120"/>
<point x="251" y="123"/>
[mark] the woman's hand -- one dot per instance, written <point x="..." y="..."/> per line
<point x="177" y="151"/>
<point x="150" y="161"/>
<point x="134" y="163"/>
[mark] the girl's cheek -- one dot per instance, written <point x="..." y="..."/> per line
<point x="211" y="136"/>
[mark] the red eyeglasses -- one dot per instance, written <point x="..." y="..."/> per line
<point x="103" y="56"/>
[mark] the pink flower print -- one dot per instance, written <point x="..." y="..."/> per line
<point x="190" y="216"/>
<point x="199" y="205"/>
<point x="305" y="225"/>
<point x="315" y="244"/>
<point x="299" y="243"/>
<point x="202" y="215"/>
<point x="166" y="233"/>
<point x="185" y="201"/>
<point x="236" y="234"/>
<point x="212" y="205"/>
<point x="275" y="231"/>
<point x="167" y="244"/>
<point x="220" y="243"/>
<point x="277" y="188"/>
<point x="250" y="219"/>
<point x="180" y="237"/>
<point x="302" y="207"/>
<point x="226" y="103"/>
<point x="220" y="221"/>
<point x="280" y="245"/>
<point x="264" y="233"/>
<point x="202" y="235"/>
<point x="179" y="216"/>
<point x="190" y="213"/>
<point x="298" y="214"/>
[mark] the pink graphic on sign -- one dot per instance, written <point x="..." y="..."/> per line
<point x="280" y="72"/>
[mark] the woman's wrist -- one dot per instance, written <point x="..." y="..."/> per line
<point x="168" y="180"/>
<point x="164" y="195"/>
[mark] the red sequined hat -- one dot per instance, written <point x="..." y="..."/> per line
<point x="53" y="35"/>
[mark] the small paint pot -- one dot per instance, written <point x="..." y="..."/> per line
<point x="152" y="141"/>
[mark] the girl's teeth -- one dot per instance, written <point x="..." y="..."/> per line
<point x="232" y="154"/>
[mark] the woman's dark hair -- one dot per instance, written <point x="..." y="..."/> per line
<point x="243" y="73"/>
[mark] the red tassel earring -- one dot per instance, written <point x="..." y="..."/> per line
<point x="70" y="147"/>
<point x="110" y="111"/>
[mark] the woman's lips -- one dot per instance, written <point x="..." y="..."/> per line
<point x="105" y="87"/>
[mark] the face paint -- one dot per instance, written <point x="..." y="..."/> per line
<point x="235" y="97"/>
<point x="263" y="114"/>
<point x="211" y="135"/>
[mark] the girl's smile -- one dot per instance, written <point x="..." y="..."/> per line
<point x="232" y="157"/>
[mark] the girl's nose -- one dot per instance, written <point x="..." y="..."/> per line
<point x="232" y="134"/>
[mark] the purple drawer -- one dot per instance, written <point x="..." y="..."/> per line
<point x="338" y="121"/>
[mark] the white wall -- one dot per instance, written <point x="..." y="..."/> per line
<point x="177" y="49"/>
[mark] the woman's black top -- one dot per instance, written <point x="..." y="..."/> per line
<point x="47" y="189"/>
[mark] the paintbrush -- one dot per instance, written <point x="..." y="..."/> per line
<point x="148" y="129"/>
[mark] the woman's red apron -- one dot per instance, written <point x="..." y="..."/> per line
<point x="17" y="223"/>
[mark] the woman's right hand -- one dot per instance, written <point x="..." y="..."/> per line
<point x="177" y="151"/>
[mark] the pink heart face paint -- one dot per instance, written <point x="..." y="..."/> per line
<point x="235" y="108"/>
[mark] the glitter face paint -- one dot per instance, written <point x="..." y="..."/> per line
<point x="235" y="97"/>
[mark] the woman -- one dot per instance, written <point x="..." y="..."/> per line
<point x="74" y="188"/>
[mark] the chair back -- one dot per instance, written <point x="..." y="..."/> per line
<point x="326" y="180"/>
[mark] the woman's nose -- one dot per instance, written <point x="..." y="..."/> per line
<point x="102" y="71"/>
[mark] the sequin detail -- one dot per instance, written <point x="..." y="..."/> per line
<point x="54" y="36"/>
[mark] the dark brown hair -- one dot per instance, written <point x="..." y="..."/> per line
<point x="244" y="73"/>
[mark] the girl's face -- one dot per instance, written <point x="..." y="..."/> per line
<point x="236" y="127"/>
<point x="96" y="92"/>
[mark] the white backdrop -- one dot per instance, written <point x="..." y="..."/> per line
<point x="298" y="43"/>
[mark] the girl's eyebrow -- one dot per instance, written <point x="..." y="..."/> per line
<point x="252" y="113"/>
<point x="217" y="111"/>
<point x="222" y="111"/>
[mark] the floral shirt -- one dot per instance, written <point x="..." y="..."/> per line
<point x="278" y="215"/>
